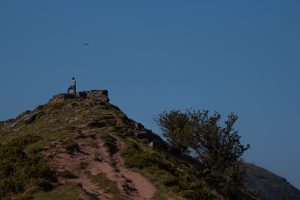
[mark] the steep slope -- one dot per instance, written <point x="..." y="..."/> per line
<point x="87" y="148"/>
<point x="269" y="185"/>
<point x="82" y="141"/>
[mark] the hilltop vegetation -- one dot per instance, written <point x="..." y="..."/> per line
<point x="87" y="149"/>
<point x="217" y="149"/>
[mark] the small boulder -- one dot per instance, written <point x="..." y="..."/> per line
<point x="29" y="118"/>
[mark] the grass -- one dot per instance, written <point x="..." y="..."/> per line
<point x="31" y="177"/>
<point x="35" y="147"/>
<point x="106" y="185"/>
<point x="66" y="174"/>
<point x="169" y="175"/>
<point x="22" y="174"/>
<point x="161" y="196"/>
<point x="22" y="168"/>
<point x="65" y="192"/>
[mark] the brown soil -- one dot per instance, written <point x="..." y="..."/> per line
<point x="93" y="157"/>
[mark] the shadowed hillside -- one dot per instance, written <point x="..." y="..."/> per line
<point x="87" y="148"/>
<point x="269" y="185"/>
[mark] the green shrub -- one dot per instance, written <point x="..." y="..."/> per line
<point x="217" y="147"/>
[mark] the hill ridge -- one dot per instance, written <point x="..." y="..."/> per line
<point x="97" y="152"/>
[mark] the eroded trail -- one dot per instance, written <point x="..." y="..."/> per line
<point x="89" y="160"/>
<point x="144" y="188"/>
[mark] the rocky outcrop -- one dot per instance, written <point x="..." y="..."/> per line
<point x="97" y="95"/>
<point x="26" y="117"/>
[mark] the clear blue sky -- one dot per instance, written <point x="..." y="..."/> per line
<point x="241" y="56"/>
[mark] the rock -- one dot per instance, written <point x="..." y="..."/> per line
<point x="21" y="116"/>
<point x="82" y="94"/>
<point x="61" y="97"/>
<point x="29" y="118"/>
<point x="64" y="96"/>
<point x="25" y="117"/>
<point x="99" y="95"/>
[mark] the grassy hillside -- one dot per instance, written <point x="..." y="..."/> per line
<point x="84" y="149"/>
<point x="64" y="124"/>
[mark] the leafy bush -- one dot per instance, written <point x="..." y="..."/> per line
<point x="217" y="148"/>
<point x="176" y="128"/>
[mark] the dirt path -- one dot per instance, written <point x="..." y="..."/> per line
<point x="144" y="188"/>
<point x="92" y="156"/>
<point x="72" y="163"/>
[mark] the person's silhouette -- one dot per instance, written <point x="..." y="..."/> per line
<point x="73" y="87"/>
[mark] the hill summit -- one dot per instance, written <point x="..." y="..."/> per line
<point x="83" y="147"/>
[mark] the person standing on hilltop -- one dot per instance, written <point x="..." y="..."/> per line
<point x="73" y="87"/>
